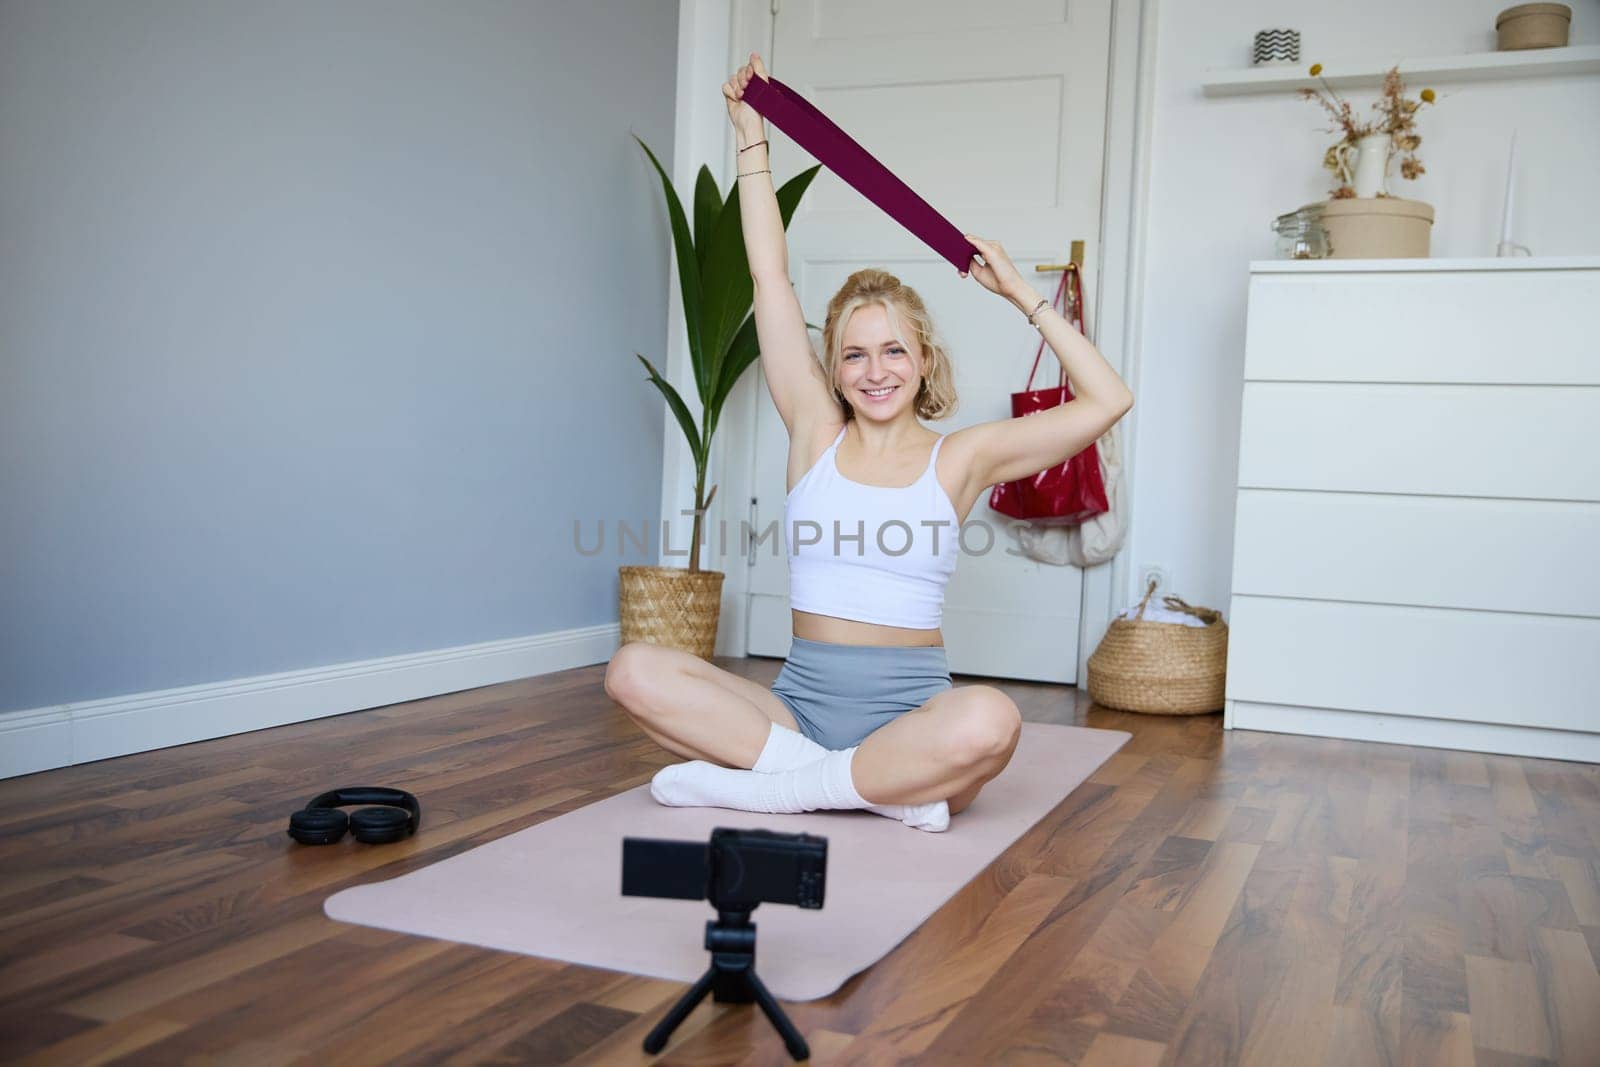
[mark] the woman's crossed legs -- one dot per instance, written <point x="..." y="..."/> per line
<point x="947" y="749"/>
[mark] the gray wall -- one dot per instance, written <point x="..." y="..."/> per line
<point x="317" y="325"/>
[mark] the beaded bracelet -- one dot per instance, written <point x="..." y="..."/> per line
<point x="747" y="173"/>
<point x="747" y="147"/>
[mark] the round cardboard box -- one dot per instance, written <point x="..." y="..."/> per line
<point x="1382" y="227"/>
<point x="1532" y="26"/>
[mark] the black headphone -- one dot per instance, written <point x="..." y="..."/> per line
<point x="322" y="823"/>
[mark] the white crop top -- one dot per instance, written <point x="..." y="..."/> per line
<point x="870" y="553"/>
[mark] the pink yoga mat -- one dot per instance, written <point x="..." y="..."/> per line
<point x="554" y="889"/>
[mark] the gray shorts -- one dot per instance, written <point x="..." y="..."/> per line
<point x="841" y="693"/>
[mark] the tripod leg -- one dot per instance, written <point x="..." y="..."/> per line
<point x="657" y="1039"/>
<point x="791" y="1037"/>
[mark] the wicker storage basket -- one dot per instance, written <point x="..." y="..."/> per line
<point x="1161" y="668"/>
<point x="670" y="606"/>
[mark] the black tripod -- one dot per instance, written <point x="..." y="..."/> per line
<point x="732" y="979"/>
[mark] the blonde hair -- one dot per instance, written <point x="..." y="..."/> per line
<point x="936" y="396"/>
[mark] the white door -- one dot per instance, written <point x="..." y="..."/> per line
<point x="995" y="114"/>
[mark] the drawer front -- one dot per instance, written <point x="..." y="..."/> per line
<point x="1539" y="442"/>
<point x="1529" y="326"/>
<point x="1475" y="666"/>
<point x="1457" y="552"/>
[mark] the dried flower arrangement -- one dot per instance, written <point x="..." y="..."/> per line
<point x="1396" y="117"/>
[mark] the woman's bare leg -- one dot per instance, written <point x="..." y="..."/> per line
<point x="692" y="708"/>
<point x="945" y="750"/>
<point x="962" y="800"/>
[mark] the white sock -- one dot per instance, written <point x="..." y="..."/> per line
<point x="788" y="750"/>
<point x="823" y="784"/>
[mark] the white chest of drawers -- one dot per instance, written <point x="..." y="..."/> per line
<point x="1417" y="527"/>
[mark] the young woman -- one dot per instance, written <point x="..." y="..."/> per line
<point x="863" y="713"/>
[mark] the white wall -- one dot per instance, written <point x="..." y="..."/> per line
<point x="306" y="312"/>
<point x="317" y="325"/>
<point x="1222" y="168"/>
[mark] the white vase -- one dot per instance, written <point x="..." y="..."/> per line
<point x="1372" y="164"/>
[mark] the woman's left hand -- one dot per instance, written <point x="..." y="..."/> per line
<point x="996" y="273"/>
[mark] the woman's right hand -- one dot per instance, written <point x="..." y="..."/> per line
<point x="746" y="119"/>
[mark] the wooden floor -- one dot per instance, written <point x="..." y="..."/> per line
<point x="1204" y="898"/>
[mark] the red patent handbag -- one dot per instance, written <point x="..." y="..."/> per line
<point x="1070" y="492"/>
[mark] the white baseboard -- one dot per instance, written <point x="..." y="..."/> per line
<point x="59" y="736"/>
<point x="1412" y="730"/>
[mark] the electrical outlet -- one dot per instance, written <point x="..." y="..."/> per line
<point x="1155" y="572"/>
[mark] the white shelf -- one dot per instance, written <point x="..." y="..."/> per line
<point x="1356" y="74"/>
<point x="1325" y="266"/>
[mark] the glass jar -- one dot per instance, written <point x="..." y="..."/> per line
<point x="1300" y="234"/>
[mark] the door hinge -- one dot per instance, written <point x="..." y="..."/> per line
<point x="750" y="532"/>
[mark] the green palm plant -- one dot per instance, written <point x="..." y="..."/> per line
<point x="718" y="293"/>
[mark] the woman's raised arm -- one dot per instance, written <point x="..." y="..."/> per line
<point x="1008" y="449"/>
<point x="764" y="243"/>
<point x="794" y="377"/>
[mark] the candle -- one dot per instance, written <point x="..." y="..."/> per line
<point x="1511" y="185"/>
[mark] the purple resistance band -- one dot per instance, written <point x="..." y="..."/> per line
<point x="835" y="149"/>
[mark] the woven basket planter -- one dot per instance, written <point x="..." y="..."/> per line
<point x="670" y="606"/>
<point x="1162" y="668"/>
